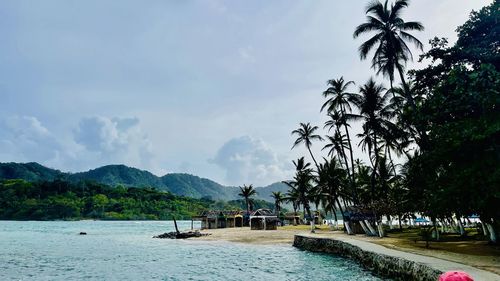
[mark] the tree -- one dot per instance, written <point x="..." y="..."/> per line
<point x="338" y="102"/>
<point x="301" y="185"/>
<point x="459" y="173"/>
<point x="374" y="113"/>
<point x="331" y="181"/>
<point x="247" y="192"/>
<point x="99" y="202"/>
<point x="278" y="198"/>
<point x="306" y="134"/>
<point x="390" y="41"/>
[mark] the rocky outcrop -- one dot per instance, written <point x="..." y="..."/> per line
<point x="384" y="265"/>
<point x="180" y="235"/>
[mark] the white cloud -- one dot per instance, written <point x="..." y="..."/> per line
<point x="115" y="140"/>
<point x="24" y="138"/>
<point x="247" y="160"/>
<point x="96" y="141"/>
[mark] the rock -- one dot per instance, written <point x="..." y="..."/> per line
<point x="180" y="235"/>
<point x="83" y="233"/>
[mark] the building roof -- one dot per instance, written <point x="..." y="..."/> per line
<point x="218" y="213"/>
<point x="263" y="213"/>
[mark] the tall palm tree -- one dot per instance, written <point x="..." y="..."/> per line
<point x="247" y="192"/>
<point x="338" y="101"/>
<point x="390" y="39"/>
<point x="372" y="103"/>
<point x="278" y="198"/>
<point x="306" y="134"/>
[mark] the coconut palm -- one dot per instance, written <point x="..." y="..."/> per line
<point x="337" y="145"/>
<point x="301" y="188"/>
<point x="338" y="104"/>
<point x="278" y="198"/>
<point x="331" y="183"/>
<point x="247" y="192"/>
<point x="306" y="134"/>
<point x="390" y="39"/>
<point x="372" y="103"/>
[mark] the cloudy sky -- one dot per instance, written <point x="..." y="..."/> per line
<point x="212" y="88"/>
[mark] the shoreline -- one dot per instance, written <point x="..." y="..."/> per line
<point x="489" y="264"/>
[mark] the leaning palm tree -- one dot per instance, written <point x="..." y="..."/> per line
<point x="390" y="41"/>
<point x="247" y="192"/>
<point x="278" y="198"/>
<point x="306" y="134"/>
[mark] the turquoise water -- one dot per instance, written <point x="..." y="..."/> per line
<point x="116" y="250"/>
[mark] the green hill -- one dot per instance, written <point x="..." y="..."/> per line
<point x="114" y="175"/>
<point x="28" y="171"/>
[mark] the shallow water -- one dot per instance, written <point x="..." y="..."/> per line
<point x="124" y="250"/>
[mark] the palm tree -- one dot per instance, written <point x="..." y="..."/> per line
<point x="390" y="41"/>
<point x="331" y="182"/>
<point x="336" y="145"/>
<point x="247" y="192"/>
<point x="301" y="189"/>
<point x="374" y="112"/>
<point x="278" y="198"/>
<point x="339" y="102"/>
<point x="306" y="134"/>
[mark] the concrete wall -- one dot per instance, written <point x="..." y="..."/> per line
<point x="383" y="265"/>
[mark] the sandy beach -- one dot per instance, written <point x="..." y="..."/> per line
<point x="486" y="261"/>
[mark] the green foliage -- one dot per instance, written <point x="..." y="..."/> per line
<point x="59" y="199"/>
<point x="459" y="172"/>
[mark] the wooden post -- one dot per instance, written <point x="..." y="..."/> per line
<point x="192" y="224"/>
<point x="176" y="228"/>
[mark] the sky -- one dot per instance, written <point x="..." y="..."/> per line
<point x="212" y="88"/>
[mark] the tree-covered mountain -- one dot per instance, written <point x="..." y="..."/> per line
<point x="196" y="187"/>
<point x="115" y="175"/>
<point x="28" y="171"/>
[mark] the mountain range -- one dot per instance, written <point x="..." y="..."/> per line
<point x="113" y="175"/>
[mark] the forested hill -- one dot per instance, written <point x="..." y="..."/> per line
<point x="114" y="175"/>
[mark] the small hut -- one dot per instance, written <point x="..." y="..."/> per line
<point x="219" y="219"/>
<point x="263" y="219"/>
<point x="234" y="218"/>
<point x="291" y="219"/>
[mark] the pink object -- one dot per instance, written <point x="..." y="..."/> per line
<point x="455" y="276"/>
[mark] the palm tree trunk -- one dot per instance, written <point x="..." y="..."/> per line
<point x="350" y="148"/>
<point x="312" y="156"/>
<point x="372" y="178"/>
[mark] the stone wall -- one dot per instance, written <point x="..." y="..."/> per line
<point x="383" y="265"/>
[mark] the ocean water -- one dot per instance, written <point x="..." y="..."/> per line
<point x="125" y="250"/>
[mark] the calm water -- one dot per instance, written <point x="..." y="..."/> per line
<point x="126" y="251"/>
